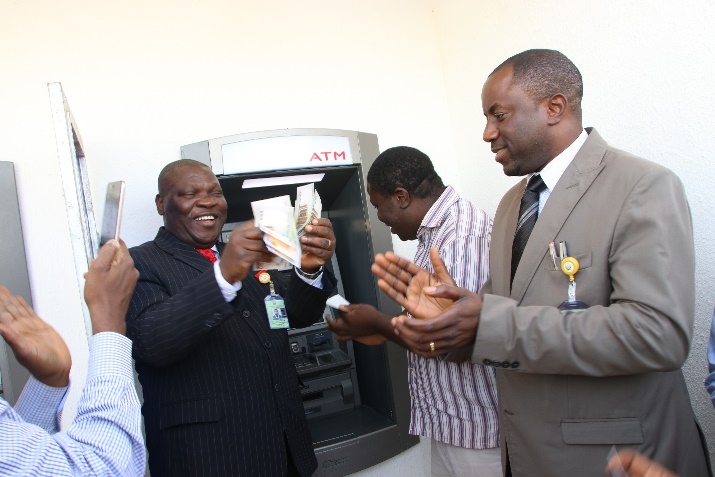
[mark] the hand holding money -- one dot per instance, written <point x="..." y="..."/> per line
<point x="245" y="246"/>
<point x="275" y="218"/>
<point x="284" y="224"/>
<point x="318" y="245"/>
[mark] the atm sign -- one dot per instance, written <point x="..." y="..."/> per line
<point x="285" y="152"/>
<point x="328" y="156"/>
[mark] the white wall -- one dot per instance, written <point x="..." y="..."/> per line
<point x="144" y="78"/>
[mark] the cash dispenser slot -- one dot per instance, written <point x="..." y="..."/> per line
<point x="328" y="395"/>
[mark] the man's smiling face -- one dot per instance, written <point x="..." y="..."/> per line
<point x="193" y="205"/>
<point x="517" y="125"/>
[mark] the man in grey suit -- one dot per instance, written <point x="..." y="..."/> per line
<point x="572" y="382"/>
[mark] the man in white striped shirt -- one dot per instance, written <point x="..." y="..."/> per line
<point x="105" y="438"/>
<point x="454" y="404"/>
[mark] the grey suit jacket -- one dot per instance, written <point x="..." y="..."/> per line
<point x="572" y="385"/>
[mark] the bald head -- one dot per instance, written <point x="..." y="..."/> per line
<point x="543" y="74"/>
<point x="168" y="171"/>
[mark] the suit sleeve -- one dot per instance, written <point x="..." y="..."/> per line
<point x="644" y="325"/>
<point x="166" y="327"/>
<point x="305" y="303"/>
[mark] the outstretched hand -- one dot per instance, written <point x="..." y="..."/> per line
<point x="359" y="322"/>
<point x="408" y="284"/>
<point x="36" y="345"/>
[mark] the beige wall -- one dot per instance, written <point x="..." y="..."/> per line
<point x="145" y="77"/>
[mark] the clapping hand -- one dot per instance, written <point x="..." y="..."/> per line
<point x="448" y="316"/>
<point x="409" y="285"/>
<point x="36" y="345"/>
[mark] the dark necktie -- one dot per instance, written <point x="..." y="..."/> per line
<point x="528" y="213"/>
<point x="208" y="253"/>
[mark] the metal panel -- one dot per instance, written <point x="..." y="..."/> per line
<point x="13" y="275"/>
<point x="198" y="151"/>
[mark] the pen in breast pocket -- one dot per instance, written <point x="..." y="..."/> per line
<point x="563" y="253"/>
<point x="552" y="251"/>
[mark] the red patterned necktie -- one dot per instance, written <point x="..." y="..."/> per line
<point x="208" y="253"/>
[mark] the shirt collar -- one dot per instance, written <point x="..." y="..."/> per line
<point x="552" y="172"/>
<point x="435" y="216"/>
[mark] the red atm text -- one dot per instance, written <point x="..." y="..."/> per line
<point x="327" y="156"/>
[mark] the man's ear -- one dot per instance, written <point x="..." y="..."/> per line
<point x="159" y="201"/>
<point x="403" y="197"/>
<point x="557" y="106"/>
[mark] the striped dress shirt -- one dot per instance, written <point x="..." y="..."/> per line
<point x="104" y="439"/>
<point x="455" y="403"/>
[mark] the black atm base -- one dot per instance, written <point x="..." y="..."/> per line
<point x="355" y="441"/>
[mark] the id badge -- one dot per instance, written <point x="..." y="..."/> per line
<point x="277" y="315"/>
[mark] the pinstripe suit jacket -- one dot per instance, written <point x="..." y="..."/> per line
<point x="220" y="388"/>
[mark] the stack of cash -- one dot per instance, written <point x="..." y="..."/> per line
<point x="283" y="224"/>
<point x="308" y="206"/>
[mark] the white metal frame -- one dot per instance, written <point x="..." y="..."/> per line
<point x="76" y="191"/>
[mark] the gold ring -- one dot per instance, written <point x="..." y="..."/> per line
<point x="431" y="346"/>
<point x="329" y="243"/>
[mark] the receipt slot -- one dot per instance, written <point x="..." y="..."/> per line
<point x="355" y="396"/>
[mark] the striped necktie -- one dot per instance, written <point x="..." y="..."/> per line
<point x="528" y="213"/>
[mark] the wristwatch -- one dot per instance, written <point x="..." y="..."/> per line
<point x="309" y="276"/>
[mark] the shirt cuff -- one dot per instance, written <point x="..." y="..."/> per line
<point x="40" y="404"/>
<point x="110" y="353"/>
<point x="228" y="291"/>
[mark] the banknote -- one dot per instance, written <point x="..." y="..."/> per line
<point x="308" y="206"/>
<point x="283" y="224"/>
<point x="280" y="236"/>
<point x="260" y="205"/>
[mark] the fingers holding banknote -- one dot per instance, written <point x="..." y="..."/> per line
<point x="244" y="247"/>
<point x="318" y="244"/>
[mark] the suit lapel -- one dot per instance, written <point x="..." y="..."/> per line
<point x="500" y="258"/>
<point x="572" y="185"/>
<point x="181" y="251"/>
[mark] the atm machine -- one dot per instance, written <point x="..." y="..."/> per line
<point x="355" y="396"/>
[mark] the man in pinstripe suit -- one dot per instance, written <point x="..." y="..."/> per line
<point x="221" y="394"/>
